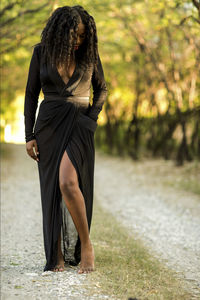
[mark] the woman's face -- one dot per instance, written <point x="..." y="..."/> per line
<point x="80" y="36"/>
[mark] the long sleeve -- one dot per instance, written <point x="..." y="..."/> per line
<point x="99" y="91"/>
<point x="32" y="92"/>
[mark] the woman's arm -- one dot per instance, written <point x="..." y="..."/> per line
<point x="32" y="92"/>
<point x="99" y="91"/>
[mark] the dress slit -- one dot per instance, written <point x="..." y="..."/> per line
<point x="70" y="239"/>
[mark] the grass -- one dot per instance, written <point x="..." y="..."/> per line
<point x="5" y="151"/>
<point x="188" y="177"/>
<point x="185" y="177"/>
<point x="124" y="268"/>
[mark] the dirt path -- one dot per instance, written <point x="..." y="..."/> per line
<point x="22" y="241"/>
<point x="165" y="218"/>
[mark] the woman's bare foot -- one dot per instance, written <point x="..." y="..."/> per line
<point x="87" y="259"/>
<point x="60" y="260"/>
<point x="60" y="265"/>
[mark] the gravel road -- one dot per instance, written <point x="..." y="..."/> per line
<point x="22" y="253"/>
<point x="165" y="218"/>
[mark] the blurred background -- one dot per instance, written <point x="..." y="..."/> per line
<point x="148" y="189"/>
<point x="150" y="52"/>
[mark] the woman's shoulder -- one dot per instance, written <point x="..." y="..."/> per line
<point x="37" y="51"/>
<point x="37" y="47"/>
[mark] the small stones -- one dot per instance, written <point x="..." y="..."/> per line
<point x="22" y="250"/>
<point x="47" y="273"/>
<point x="31" y="274"/>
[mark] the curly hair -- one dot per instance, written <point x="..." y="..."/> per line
<point x="60" y="33"/>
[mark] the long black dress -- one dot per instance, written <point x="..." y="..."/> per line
<point x="66" y="121"/>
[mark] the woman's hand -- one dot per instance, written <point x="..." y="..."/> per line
<point x="32" y="149"/>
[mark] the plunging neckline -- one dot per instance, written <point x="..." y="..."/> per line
<point x="66" y="84"/>
<point x="63" y="88"/>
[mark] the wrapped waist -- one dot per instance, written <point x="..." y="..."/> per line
<point x="77" y="99"/>
<point x="82" y="102"/>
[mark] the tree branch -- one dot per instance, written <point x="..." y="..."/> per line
<point x="196" y="4"/>
<point x="21" y="13"/>
<point x="188" y="17"/>
<point x="8" y="7"/>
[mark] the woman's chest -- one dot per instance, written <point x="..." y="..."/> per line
<point x="66" y="73"/>
<point x="79" y="77"/>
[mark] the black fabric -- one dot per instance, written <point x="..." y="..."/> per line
<point x="63" y="125"/>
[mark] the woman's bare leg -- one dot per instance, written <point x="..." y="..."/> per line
<point x="75" y="203"/>
<point x="60" y="260"/>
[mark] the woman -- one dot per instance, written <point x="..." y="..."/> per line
<point x="64" y="65"/>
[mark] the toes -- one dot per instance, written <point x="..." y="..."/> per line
<point x="80" y="271"/>
<point x="89" y="270"/>
<point x="58" y="269"/>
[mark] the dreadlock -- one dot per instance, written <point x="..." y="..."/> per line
<point x="60" y="34"/>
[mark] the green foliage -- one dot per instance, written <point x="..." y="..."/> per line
<point x="150" y="52"/>
<point x="21" y="24"/>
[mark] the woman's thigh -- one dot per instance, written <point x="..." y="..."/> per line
<point x="68" y="178"/>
